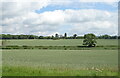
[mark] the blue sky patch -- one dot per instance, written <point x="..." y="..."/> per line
<point x="79" y="6"/>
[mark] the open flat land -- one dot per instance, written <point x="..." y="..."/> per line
<point x="61" y="42"/>
<point x="48" y="62"/>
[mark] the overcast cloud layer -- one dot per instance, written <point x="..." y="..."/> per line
<point x="20" y="17"/>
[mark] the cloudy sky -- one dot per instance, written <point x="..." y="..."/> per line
<point x="47" y="17"/>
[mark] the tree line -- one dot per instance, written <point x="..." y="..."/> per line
<point x="56" y="36"/>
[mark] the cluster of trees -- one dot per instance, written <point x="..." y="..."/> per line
<point x="108" y="37"/>
<point x="89" y="39"/>
<point x="57" y="36"/>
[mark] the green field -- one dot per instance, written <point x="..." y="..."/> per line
<point x="60" y="62"/>
<point x="60" y="58"/>
<point x="61" y="42"/>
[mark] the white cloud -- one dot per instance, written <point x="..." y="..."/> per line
<point x="20" y="18"/>
<point x="113" y="3"/>
<point x="98" y="0"/>
<point x="54" y="18"/>
<point x="97" y="27"/>
<point x="20" y="7"/>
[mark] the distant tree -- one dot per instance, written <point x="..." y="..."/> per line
<point x="65" y="35"/>
<point x="89" y="40"/>
<point x="74" y="36"/>
<point x="15" y="37"/>
<point x="114" y="37"/>
<point x="52" y="37"/>
<point x="56" y="35"/>
<point x="31" y="37"/>
<point x="40" y="37"/>
<point x="79" y="37"/>
<point x="105" y="36"/>
<point x="61" y="36"/>
<point x="118" y="37"/>
<point x="22" y="36"/>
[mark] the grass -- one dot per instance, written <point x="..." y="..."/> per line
<point x="59" y="58"/>
<point x="39" y="71"/>
<point x="69" y="44"/>
<point x="62" y="47"/>
<point x="62" y="42"/>
<point x="60" y="62"/>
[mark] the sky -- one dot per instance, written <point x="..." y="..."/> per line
<point x="48" y="17"/>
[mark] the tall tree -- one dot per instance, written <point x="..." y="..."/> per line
<point x="65" y="35"/>
<point x="56" y="35"/>
<point x="52" y="37"/>
<point x="89" y="40"/>
<point x="74" y="36"/>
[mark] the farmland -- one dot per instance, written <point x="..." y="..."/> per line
<point x="61" y="42"/>
<point x="58" y="62"/>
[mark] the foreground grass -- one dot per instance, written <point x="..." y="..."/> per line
<point x="60" y="62"/>
<point x="39" y="71"/>
<point x="73" y="58"/>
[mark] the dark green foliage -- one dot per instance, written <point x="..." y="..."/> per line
<point x="40" y="37"/>
<point x="89" y="40"/>
<point x="65" y="35"/>
<point x="74" y="36"/>
<point x="107" y="37"/>
<point x="61" y="47"/>
<point x="52" y="37"/>
<point x="9" y="36"/>
<point x="56" y="36"/>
